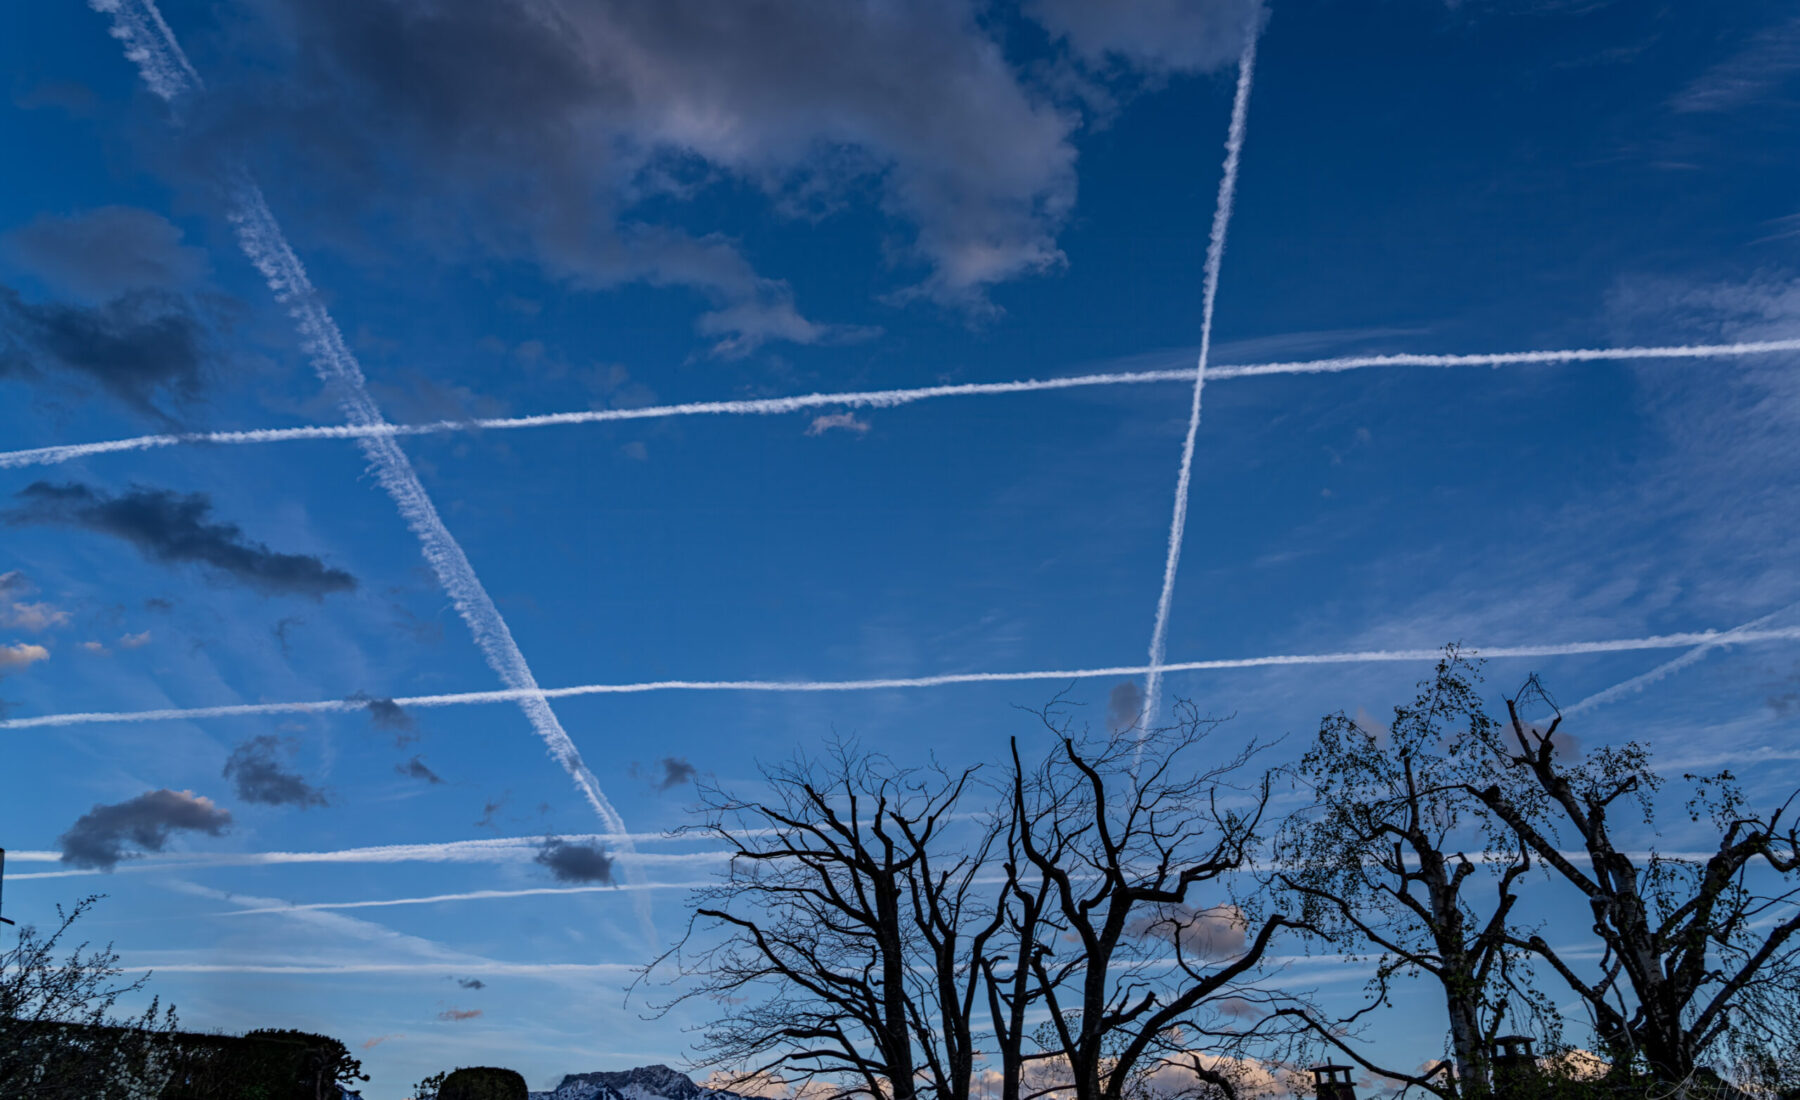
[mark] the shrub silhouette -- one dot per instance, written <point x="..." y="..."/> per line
<point x="483" y="1083"/>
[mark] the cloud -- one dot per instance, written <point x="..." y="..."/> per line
<point x="575" y="862"/>
<point x="387" y="714"/>
<point x="1159" y="36"/>
<point x="454" y="1014"/>
<point x="378" y="1040"/>
<point x="137" y="345"/>
<point x="20" y="654"/>
<point x="35" y="617"/>
<point x="106" y="252"/>
<point x="134" y="641"/>
<point x="94" y="647"/>
<point x="416" y="769"/>
<point x="845" y="421"/>
<point x="1755" y="72"/>
<point x="556" y="129"/>
<point x="169" y="527"/>
<point x="99" y="837"/>
<point x="1124" y="706"/>
<point x="257" y="773"/>
<point x="675" y="771"/>
<point x="1215" y="932"/>
<point x="471" y="983"/>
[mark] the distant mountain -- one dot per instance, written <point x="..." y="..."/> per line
<point x="643" y="1083"/>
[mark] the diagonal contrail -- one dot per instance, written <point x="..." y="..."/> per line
<point x="1215" y="256"/>
<point x="1667" y="668"/>
<point x="165" y="68"/>
<point x="1686" y="640"/>
<point x="885" y="399"/>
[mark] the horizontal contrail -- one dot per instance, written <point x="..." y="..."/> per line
<point x="508" y="970"/>
<point x="464" y="851"/>
<point x="326" y="706"/>
<point x="471" y="895"/>
<point x="772" y="406"/>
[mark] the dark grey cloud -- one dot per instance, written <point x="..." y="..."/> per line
<point x="140" y="346"/>
<point x="103" y="253"/>
<point x="1124" y="706"/>
<point x="99" y="837"/>
<point x="490" y="808"/>
<point x="171" y="527"/>
<point x="675" y="771"/>
<point x="389" y="715"/>
<point x="563" y="131"/>
<point x="157" y="603"/>
<point x="471" y="983"/>
<point x="256" y="769"/>
<point x="416" y="769"/>
<point x="575" y="862"/>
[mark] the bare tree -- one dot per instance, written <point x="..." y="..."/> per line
<point x="1377" y="865"/>
<point x="59" y="1038"/>
<point x="844" y="943"/>
<point x="1133" y="961"/>
<point x="1687" y="940"/>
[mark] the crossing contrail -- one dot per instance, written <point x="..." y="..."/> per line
<point x="1350" y="657"/>
<point x="1209" y="295"/>
<point x="1693" y="656"/>
<point x="881" y="399"/>
<point x="166" y="69"/>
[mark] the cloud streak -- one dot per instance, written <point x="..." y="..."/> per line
<point x="1215" y="258"/>
<point x="165" y="68"/>
<point x="1347" y="657"/>
<point x="170" y="527"/>
<point x="893" y="398"/>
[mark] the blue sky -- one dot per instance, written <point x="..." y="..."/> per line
<point x="528" y="208"/>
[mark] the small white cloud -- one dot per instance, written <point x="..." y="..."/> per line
<point x="33" y="616"/>
<point x="134" y="641"/>
<point x="847" y="421"/>
<point x="20" y="654"/>
<point x="636" y="451"/>
<point x="93" y="647"/>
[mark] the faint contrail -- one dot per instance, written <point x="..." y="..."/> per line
<point x="469" y="895"/>
<point x="151" y="44"/>
<point x="508" y="850"/>
<point x="319" y="706"/>
<point x="1209" y="294"/>
<point x="1693" y="656"/>
<point x="775" y="406"/>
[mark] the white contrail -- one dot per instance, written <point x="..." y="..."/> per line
<point x="166" y="69"/>
<point x="322" y="706"/>
<point x="508" y="970"/>
<point x="1693" y="656"/>
<point x="454" y="852"/>
<point x="775" y="406"/>
<point x="471" y="895"/>
<point x="1209" y="294"/>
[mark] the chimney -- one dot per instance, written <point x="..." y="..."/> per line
<point x="1333" y="1083"/>
<point x="1515" y="1067"/>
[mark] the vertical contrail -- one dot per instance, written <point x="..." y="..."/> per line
<point x="1215" y="255"/>
<point x="166" y="70"/>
